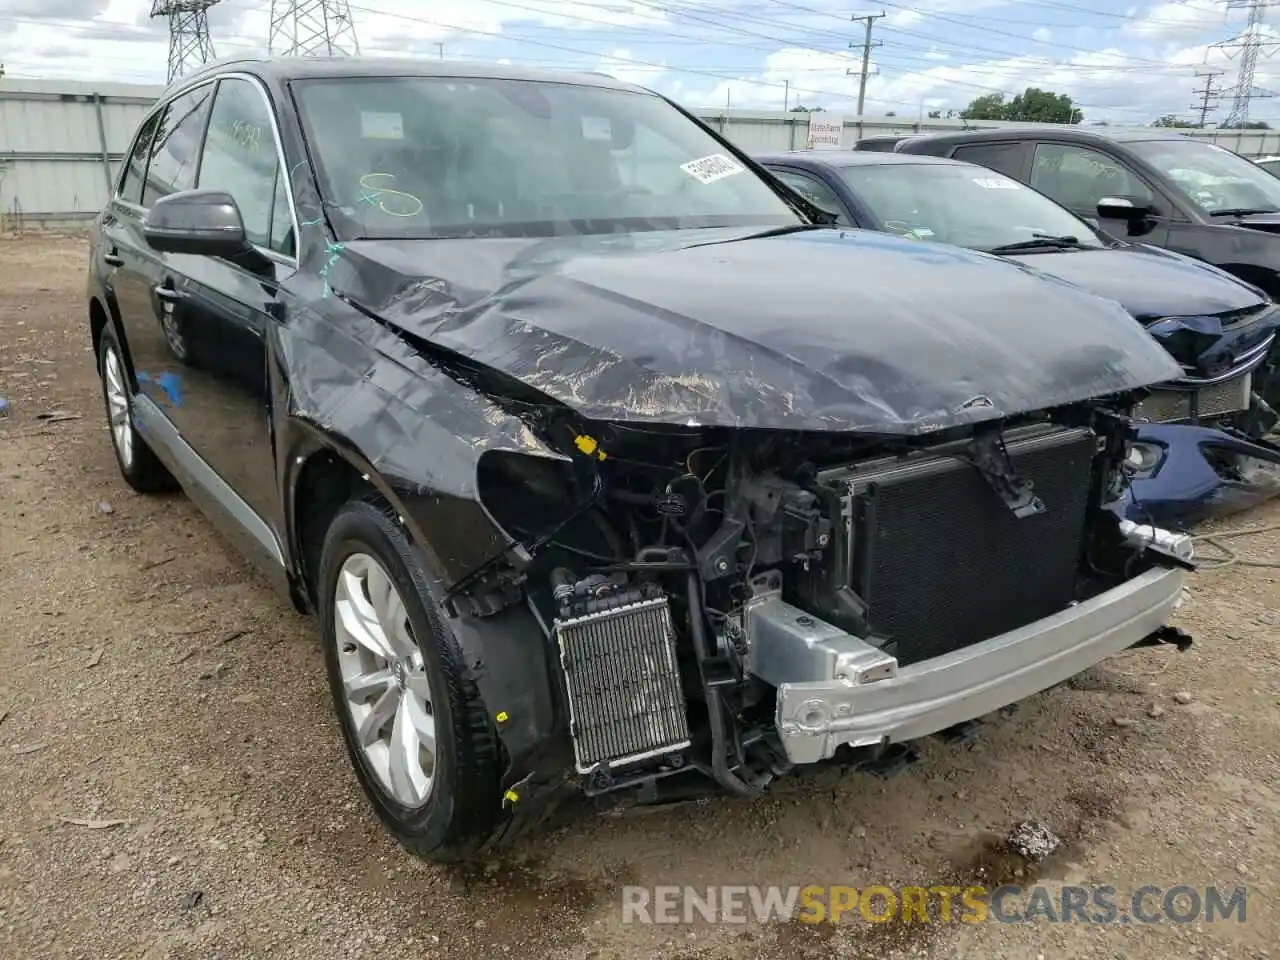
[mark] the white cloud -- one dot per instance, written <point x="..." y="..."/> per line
<point x="1130" y="64"/>
<point x="621" y="65"/>
<point x="1180" y="21"/>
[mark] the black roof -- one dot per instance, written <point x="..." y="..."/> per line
<point x="1059" y="132"/>
<point x="847" y="158"/>
<point x="301" y="68"/>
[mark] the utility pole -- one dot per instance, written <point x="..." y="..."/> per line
<point x="312" y="28"/>
<point x="867" y="19"/>
<point x="1209" y="95"/>
<point x="189" y="42"/>
<point x="1249" y="43"/>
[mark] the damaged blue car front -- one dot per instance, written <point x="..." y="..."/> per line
<point x="1203" y="447"/>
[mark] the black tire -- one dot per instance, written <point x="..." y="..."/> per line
<point x="140" y="467"/>
<point x="464" y="807"/>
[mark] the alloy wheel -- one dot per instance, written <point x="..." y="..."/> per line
<point x="118" y="414"/>
<point x="387" y="692"/>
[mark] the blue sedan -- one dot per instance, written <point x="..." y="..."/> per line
<point x="1205" y="451"/>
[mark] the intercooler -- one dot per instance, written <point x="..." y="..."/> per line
<point x="623" y="683"/>
<point x="939" y="558"/>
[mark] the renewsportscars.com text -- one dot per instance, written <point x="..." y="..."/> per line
<point x="1095" y="904"/>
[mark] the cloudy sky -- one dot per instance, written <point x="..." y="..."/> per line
<point x="1120" y="62"/>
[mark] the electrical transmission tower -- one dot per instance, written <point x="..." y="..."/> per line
<point x="312" y="28"/>
<point x="189" y="42"/>
<point x="866" y="20"/>
<point x="1249" y="43"/>
<point x="1210" y="96"/>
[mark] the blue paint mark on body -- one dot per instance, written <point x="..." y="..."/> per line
<point x="170" y="385"/>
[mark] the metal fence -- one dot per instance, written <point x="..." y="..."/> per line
<point x="60" y="142"/>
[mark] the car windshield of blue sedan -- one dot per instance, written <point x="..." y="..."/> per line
<point x="440" y="157"/>
<point x="1215" y="178"/>
<point x="961" y="204"/>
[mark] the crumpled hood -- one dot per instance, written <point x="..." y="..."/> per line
<point x="822" y="330"/>
<point x="1150" y="283"/>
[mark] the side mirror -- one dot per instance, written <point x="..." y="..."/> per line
<point x="1123" y="208"/>
<point x="200" y="222"/>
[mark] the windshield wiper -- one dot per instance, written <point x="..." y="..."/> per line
<point x="761" y="234"/>
<point x="1241" y="211"/>
<point x="1039" y="241"/>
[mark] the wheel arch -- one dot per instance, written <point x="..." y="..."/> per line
<point x="104" y="311"/>
<point x="506" y="654"/>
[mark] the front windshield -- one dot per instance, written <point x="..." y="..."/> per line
<point x="961" y="204"/>
<point x="1214" y="177"/>
<point x="452" y="157"/>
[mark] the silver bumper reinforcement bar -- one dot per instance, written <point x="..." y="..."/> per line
<point x="835" y="689"/>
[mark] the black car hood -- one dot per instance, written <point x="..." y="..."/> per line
<point x="1150" y="283"/>
<point x="1206" y="318"/>
<point x="827" y="329"/>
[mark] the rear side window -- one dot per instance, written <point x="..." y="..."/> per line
<point x="175" y="151"/>
<point x="1003" y="157"/>
<point x="135" y="165"/>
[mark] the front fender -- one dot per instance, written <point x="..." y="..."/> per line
<point x="351" y="387"/>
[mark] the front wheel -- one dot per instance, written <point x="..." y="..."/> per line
<point x="415" y="727"/>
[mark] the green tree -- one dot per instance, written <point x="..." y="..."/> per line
<point x="1251" y="125"/>
<point x="1033" y="105"/>
<point x="989" y="106"/>
<point x="801" y="108"/>
<point x="1169" y="120"/>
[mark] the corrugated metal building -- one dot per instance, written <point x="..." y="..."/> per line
<point x="60" y="142"/>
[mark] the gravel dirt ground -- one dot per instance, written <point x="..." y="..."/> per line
<point x="173" y="784"/>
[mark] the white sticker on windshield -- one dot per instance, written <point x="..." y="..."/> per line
<point x="381" y="126"/>
<point x="597" y="128"/>
<point x="712" y="168"/>
<point x="995" y="183"/>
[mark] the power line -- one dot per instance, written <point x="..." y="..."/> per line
<point x="866" y="20"/>
<point x="1210" y="96"/>
<point x="189" y="41"/>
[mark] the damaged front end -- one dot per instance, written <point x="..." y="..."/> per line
<point x="721" y="606"/>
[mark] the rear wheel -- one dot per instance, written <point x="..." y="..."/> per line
<point x="414" y="725"/>
<point x="139" y="465"/>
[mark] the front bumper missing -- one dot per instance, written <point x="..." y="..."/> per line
<point x="817" y="717"/>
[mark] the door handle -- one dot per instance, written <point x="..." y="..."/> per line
<point x="113" y="259"/>
<point x="170" y="295"/>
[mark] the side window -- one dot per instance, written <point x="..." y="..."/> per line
<point x="240" y="157"/>
<point x="1078" y="177"/>
<point x="135" y="165"/>
<point x="1005" y="158"/>
<point x="813" y="190"/>
<point x="176" y="147"/>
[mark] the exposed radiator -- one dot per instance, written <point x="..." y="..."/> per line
<point x="1172" y="406"/>
<point x="943" y="563"/>
<point x="625" y="699"/>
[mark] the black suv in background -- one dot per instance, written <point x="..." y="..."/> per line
<point x="1164" y="189"/>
